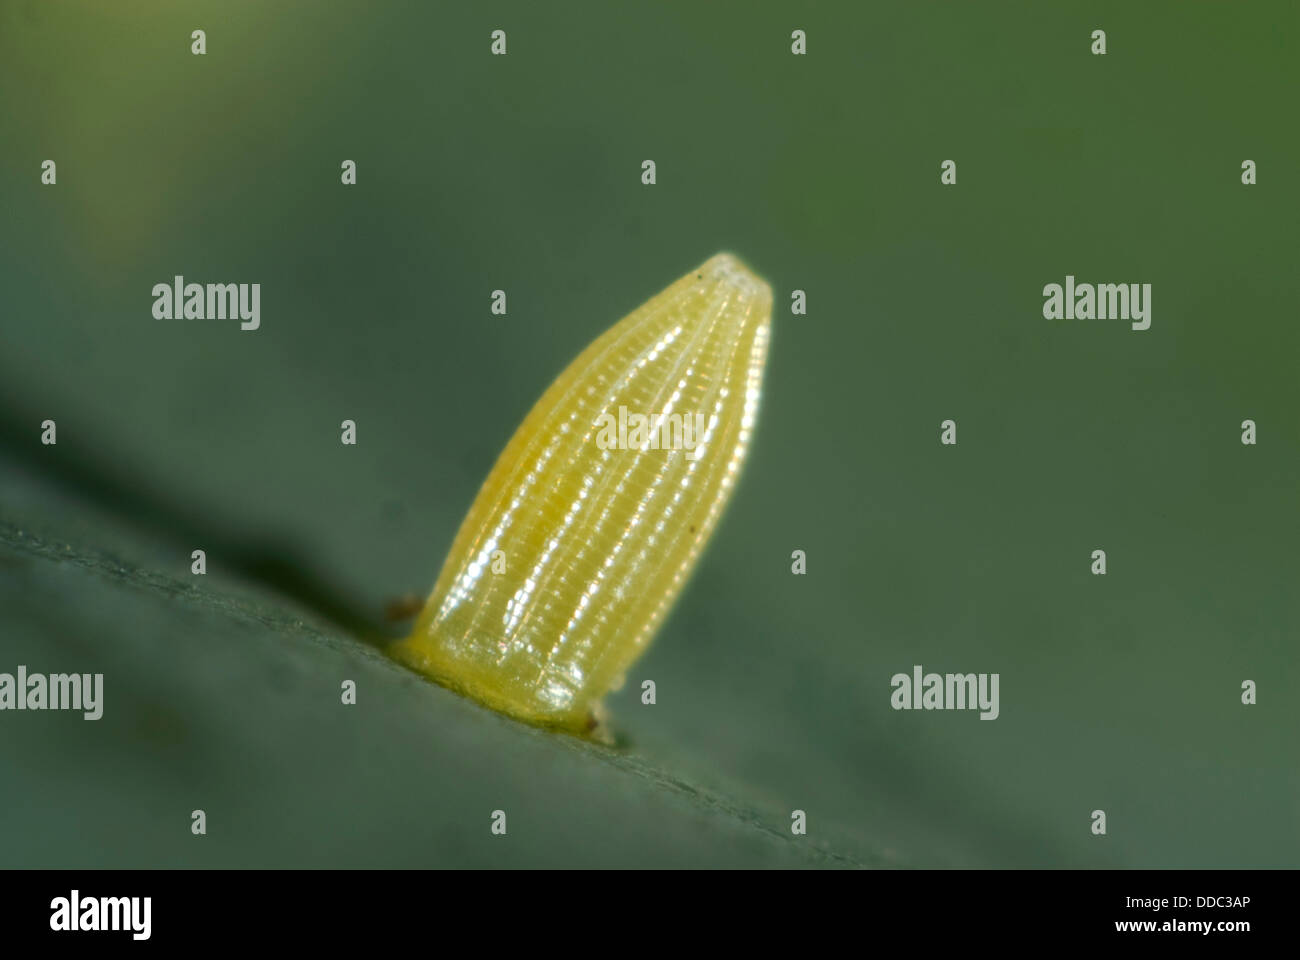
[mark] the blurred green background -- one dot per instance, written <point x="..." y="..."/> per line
<point x="522" y="173"/>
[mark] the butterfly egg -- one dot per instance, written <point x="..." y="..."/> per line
<point x="594" y="515"/>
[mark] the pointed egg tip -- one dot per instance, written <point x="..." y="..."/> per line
<point x="728" y="268"/>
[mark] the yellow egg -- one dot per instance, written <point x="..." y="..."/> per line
<point x="594" y="515"/>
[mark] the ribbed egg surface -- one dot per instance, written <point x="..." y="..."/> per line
<point x="595" y="513"/>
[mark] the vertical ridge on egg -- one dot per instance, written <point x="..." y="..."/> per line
<point x="587" y="528"/>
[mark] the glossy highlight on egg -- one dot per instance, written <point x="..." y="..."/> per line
<point x="584" y="534"/>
